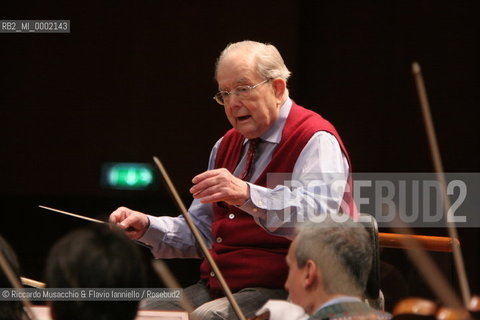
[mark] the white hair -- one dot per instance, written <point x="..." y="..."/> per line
<point x="341" y="250"/>
<point x="269" y="63"/>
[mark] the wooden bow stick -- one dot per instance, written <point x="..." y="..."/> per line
<point x="427" y="267"/>
<point x="33" y="283"/>
<point x="437" y="163"/>
<point x="169" y="279"/>
<point x="200" y="240"/>
<point x="14" y="281"/>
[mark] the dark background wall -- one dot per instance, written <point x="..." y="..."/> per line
<point x="134" y="79"/>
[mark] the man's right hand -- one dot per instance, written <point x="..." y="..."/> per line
<point x="133" y="222"/>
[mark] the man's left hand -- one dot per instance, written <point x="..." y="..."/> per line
<point x="220" y="185"/>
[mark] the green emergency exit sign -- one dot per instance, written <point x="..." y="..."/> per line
<point x="126" y="175"/>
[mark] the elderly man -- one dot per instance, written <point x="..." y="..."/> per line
<point x="246" y="216"/>
<point x="329" y="264"/>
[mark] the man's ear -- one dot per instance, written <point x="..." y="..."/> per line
<point x="279" y="85"/>
<point x="312" y="276"/>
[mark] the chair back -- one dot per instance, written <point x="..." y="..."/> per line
<point x="372" y="291"/>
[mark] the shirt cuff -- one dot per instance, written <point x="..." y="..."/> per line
<point x="152" y="235"/>
<point x="255" y="206"/>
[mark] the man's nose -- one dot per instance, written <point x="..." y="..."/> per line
<point x="233" y="100"/>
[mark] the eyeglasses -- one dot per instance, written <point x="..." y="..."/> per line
<point x="240" y="91"/>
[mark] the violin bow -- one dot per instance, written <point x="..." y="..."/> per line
<point x="437" y="163"/>
<point x="170" y="281"/>
<point x="200" y="240"/>
<point x="15" y="282"/>
<point x="427" y="268"/>
<point x="33" y="283"/>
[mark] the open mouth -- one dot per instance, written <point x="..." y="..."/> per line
<point x="242" y="118"/>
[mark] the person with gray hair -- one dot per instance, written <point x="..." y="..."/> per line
<point x="246" y="218"/>
<point x="329" y="263"/>
<point x="341" y="248"/>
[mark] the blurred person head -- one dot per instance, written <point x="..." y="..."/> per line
<point x="9" y="310"/>
<point x="326" y="260"/>
<point x="97" y="257"/>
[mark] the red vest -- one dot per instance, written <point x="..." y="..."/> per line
<point x="246" y="254"/>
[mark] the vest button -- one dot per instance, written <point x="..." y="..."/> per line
<point x="212" y="274"/>
<point x="231" y="216"/>
<point x="219" y="240"/>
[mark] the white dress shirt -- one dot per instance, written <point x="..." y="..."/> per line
<point x="320" y="174"/>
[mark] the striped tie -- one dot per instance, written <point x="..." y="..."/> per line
<point x="247" y="172"/>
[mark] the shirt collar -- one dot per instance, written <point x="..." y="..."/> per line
<point x="336" y="300"/>
<point x="274" y="133"/>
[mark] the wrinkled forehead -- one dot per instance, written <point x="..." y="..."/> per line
<point x="237" y="69"/>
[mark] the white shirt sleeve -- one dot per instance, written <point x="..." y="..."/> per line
<point x="170" y="237"/>
<point x="316" y="187"/>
